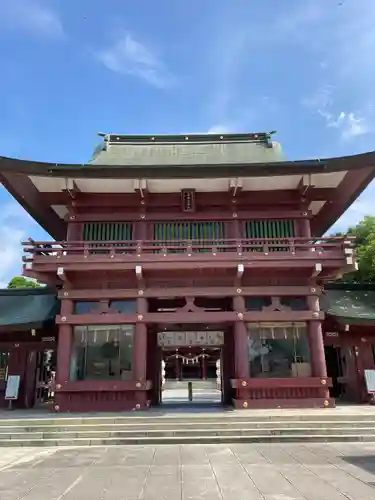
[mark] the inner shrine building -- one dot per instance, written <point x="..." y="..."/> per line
<point x="188" y="257"/>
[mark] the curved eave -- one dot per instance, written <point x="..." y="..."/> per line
<point x="180" y="171"/>
<point x="357" y="172"/>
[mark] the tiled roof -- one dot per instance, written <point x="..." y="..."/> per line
<point x="25" y="308"/>
<point x="350" y="305"/>
<point x="186" y="150"/>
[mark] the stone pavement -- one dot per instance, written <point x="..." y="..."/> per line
<point x="190" y="472"/>
<point x="174" y="396"/>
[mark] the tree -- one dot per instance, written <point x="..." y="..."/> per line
<point x="364" y="244"/>
<point x="22" y="282"/>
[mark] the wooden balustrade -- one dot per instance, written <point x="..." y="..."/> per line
<point x="49" y="249"/>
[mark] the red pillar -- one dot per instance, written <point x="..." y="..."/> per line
<point x="177" y="367"/>
<point x="65" y="344"/>
<point x="204" y="367"/>
<point x="316" y="342"/>
<point x="74" y="231"/>
<point x="64" y="353"/>
<point x="140" y="351"/>
<point x="305" y="228"/>
<point x="240" y="341"/>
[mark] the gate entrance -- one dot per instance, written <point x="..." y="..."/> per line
<point x="191" y="367"/>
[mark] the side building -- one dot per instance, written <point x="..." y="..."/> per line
<point x="202" y="247"/>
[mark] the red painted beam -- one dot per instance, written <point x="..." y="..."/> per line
<point x="193" y="265"/>
<point x="155" y="292"/>
<point x="257" y="383"/>
<point x="103" y="386"/>
<point x="213" y="215"/>
<point x="203" y="200"/>
<point x="186" y="317"/>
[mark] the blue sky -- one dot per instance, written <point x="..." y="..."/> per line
<point x="72" y="68"/>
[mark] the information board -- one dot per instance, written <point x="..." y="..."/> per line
<point x="13" y="387"/>
<point x="370" y="381"/>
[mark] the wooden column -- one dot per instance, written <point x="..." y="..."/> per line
<point x="140" y="342"/>
<point x="140" y="353"/>
<point x="316" y="341"/>
<point x="240" y="341"/>
<point x="177" y="368"/>
<point x="204" y="367"/>
<point x="65" y="344"/>
<point x="31" y="359"/>
<point x="305" y="228"/>
<point x="74" y="231"/>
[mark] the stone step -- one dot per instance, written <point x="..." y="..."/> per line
<point x="167" y="426"/>
<point x="235" y="438"/>
<point x="183" y="419"/>
<point x="179" y="428"/>
<point x="181" y="433"/>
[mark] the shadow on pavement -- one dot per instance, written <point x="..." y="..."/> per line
<point x="367" y="463"/>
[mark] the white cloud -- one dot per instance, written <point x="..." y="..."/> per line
<point x="34" y="17"/>
<point x="220" y="129"/>
<point x="350" y="124"/>
<point x="13" y="220"/>
<point x="131" y="57"/>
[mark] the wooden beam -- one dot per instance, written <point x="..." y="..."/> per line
<point x="305" y="188"/>
<point x="165" y="265"/>
<point x="235" y="187"/>
<point x="203" y="200"/>
<point x="214" y="215"/>
<point x="72" y="191"/>
<point x="49" y="279"/>
<point x="187" y="317"/>
<point x="258" y="291"/>
<point x="138" y="272"/>
<point x="318" y="268"/>
<point x="240" y="270"/>
<point x="61" y="274"/>
<point x="27" y="195"/>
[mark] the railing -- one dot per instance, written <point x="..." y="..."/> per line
<point x="337" y="246"/>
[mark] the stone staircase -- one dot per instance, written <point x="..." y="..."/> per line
<point x="180" y="428"/>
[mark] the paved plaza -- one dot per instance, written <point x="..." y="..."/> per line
<point x="190" y="472"/>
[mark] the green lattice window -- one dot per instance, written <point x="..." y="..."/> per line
<point x="108" y="231"/>
<point x="171" y="232"/>
<point x="278" y="229"/>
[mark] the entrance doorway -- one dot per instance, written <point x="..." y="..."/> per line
<point x="44" y="377"/>
<point x="191" y="367"/>
<point x="35" y="365"/>
<point x="336" y="369"/>
<point x="191" y="363"/>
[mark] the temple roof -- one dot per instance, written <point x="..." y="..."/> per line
<point x="196" y="149"/>
<point x="25" y="308"/>
<point x="166" y="164"/>
<point x="350" y="304"/>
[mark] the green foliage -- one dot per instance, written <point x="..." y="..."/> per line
<point x="22" y="282"/>
<point x="364" y="232"/>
